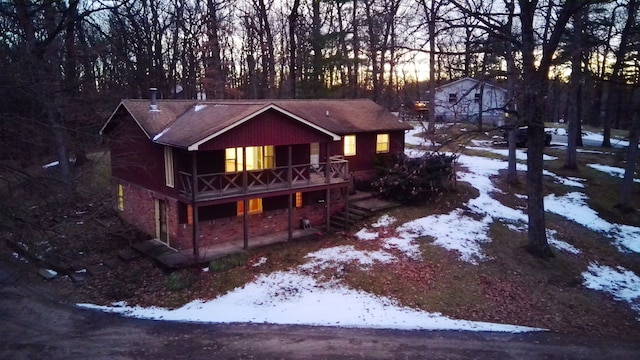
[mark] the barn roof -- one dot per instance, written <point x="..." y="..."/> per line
<point x="190" y="123"/>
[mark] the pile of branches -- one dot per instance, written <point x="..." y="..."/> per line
<point x="409" y="180"/>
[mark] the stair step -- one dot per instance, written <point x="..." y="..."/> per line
<point x="359" y="212"/>
<point x="343" y="217"/>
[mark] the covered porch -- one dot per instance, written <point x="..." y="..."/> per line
<point x="172" y="258"/>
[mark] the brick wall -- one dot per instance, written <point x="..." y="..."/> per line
<point x="140" y="208"/>
<point x="140" y="211"/>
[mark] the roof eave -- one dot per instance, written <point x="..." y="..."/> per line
<point x="122" y="104"/>
<point x="195" y="146"/>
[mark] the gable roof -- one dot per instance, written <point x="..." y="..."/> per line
<point x="466" y="79"/>
<point x="190" y="123"/>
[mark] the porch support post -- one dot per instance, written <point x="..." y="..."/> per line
<point x="328" y="205"/>
<point x="290" y="213"/>
<point x="327" y="170"/>
<point x="245" y="223"/>
<point x="289" y="167"/>
<point x="194" y="207"/>
<point x="346" y="203"/>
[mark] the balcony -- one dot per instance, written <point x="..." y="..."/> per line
<point x="234" y="184"/>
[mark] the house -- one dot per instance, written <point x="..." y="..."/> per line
<point x="195" y="174"/>
<point x="464" y="99"/>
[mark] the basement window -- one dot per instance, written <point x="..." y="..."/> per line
<point x="255" y="207"/>
<point x="120" y="197"/>
<point x="298" y="199"/>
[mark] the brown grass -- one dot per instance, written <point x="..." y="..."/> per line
<point x="511" y="287"/>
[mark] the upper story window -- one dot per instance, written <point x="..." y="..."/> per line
<point x="254" y="158"/>
<point x="168" y="167"/>
<point x="382" y="143"/>
<point x="349" y="145"/>
<point x="453" y="98"/>
<point x="477" y="98"/>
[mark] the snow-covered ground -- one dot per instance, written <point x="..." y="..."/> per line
<point x="297" y="296"/>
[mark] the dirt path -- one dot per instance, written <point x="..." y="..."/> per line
<point x="36" y="323"/>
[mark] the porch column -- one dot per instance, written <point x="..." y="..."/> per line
<point x="245" y="201"/>
<point x="194" y="207"/>
<point x="346" y="203"/>
<point x="289" y="167"/>
<point x="328" y="204"/>
<point x="327" y="170"/>
<point x="245" y="223"/>
<point x="290" y="183"/>
<point x="290" y="213"/>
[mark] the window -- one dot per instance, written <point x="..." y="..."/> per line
<point x="298" y="199"/>
<point x="477" y="98"/>
<point x="314" y="150"/>
<point x="120" y="197"/>
<point x="453" y="98"/>
<point x="168" y="166"/>
<point x="255" y="158"/>
<point x="189" y="214"/>
<point x="382" y="143"/>
<point x="349" y="145"/>
<point x="255" y="206"/>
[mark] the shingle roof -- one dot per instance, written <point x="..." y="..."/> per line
<point x="187" y="123"/>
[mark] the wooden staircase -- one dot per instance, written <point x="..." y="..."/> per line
<point x="361" y="206"/>
<point x="345" y="218"/>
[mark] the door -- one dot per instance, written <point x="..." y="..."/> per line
<point x="161" y="221"/>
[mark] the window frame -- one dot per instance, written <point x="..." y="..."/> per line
<point x="120" y="198"/>
<point x="169" y="172"/>
<point x="235" y="159"/>
<point x="385" y="142"/>
<point x="256" y="201"/>
<point x="349" y="147"/>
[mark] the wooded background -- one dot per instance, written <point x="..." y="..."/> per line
<point x="66" y="64"/>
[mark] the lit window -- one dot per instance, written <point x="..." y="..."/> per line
<point x="255" y="206"/>
<point x="120" y="197"/>
<point x="453" y="98"/>
<point x="382" y="143"/>
<point x="255" y="158"/>
<point x="349" y="145"/>
<point x="168" y="166"/>
<point x="298" y="199"/>
<point x="189" y="214"/>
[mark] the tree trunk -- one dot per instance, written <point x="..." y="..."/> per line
<point x="575" y="98"/>
<point x="626" y="188"/>
<point x="293" y="25"/>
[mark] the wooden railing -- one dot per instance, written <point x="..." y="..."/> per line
<point x="222" y="185"/>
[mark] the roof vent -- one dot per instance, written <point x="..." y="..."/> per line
<point x="154" y="103"/>
<point x="327" y="113"/>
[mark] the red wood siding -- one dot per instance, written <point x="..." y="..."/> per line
<point x="366" y="156"/>
<point x="134" y="158"/>
<point x="268" y="128"/>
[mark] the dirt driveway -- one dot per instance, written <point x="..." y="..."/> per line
<point x="35" y="323"/>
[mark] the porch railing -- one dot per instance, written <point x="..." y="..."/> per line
<point x="221" y="185"/>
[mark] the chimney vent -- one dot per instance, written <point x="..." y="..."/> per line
<point x="154" y="102"/>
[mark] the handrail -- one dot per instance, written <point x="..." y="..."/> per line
<point x="220" y="185"/>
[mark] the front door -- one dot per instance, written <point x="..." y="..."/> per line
<point x="161" y="221"/>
